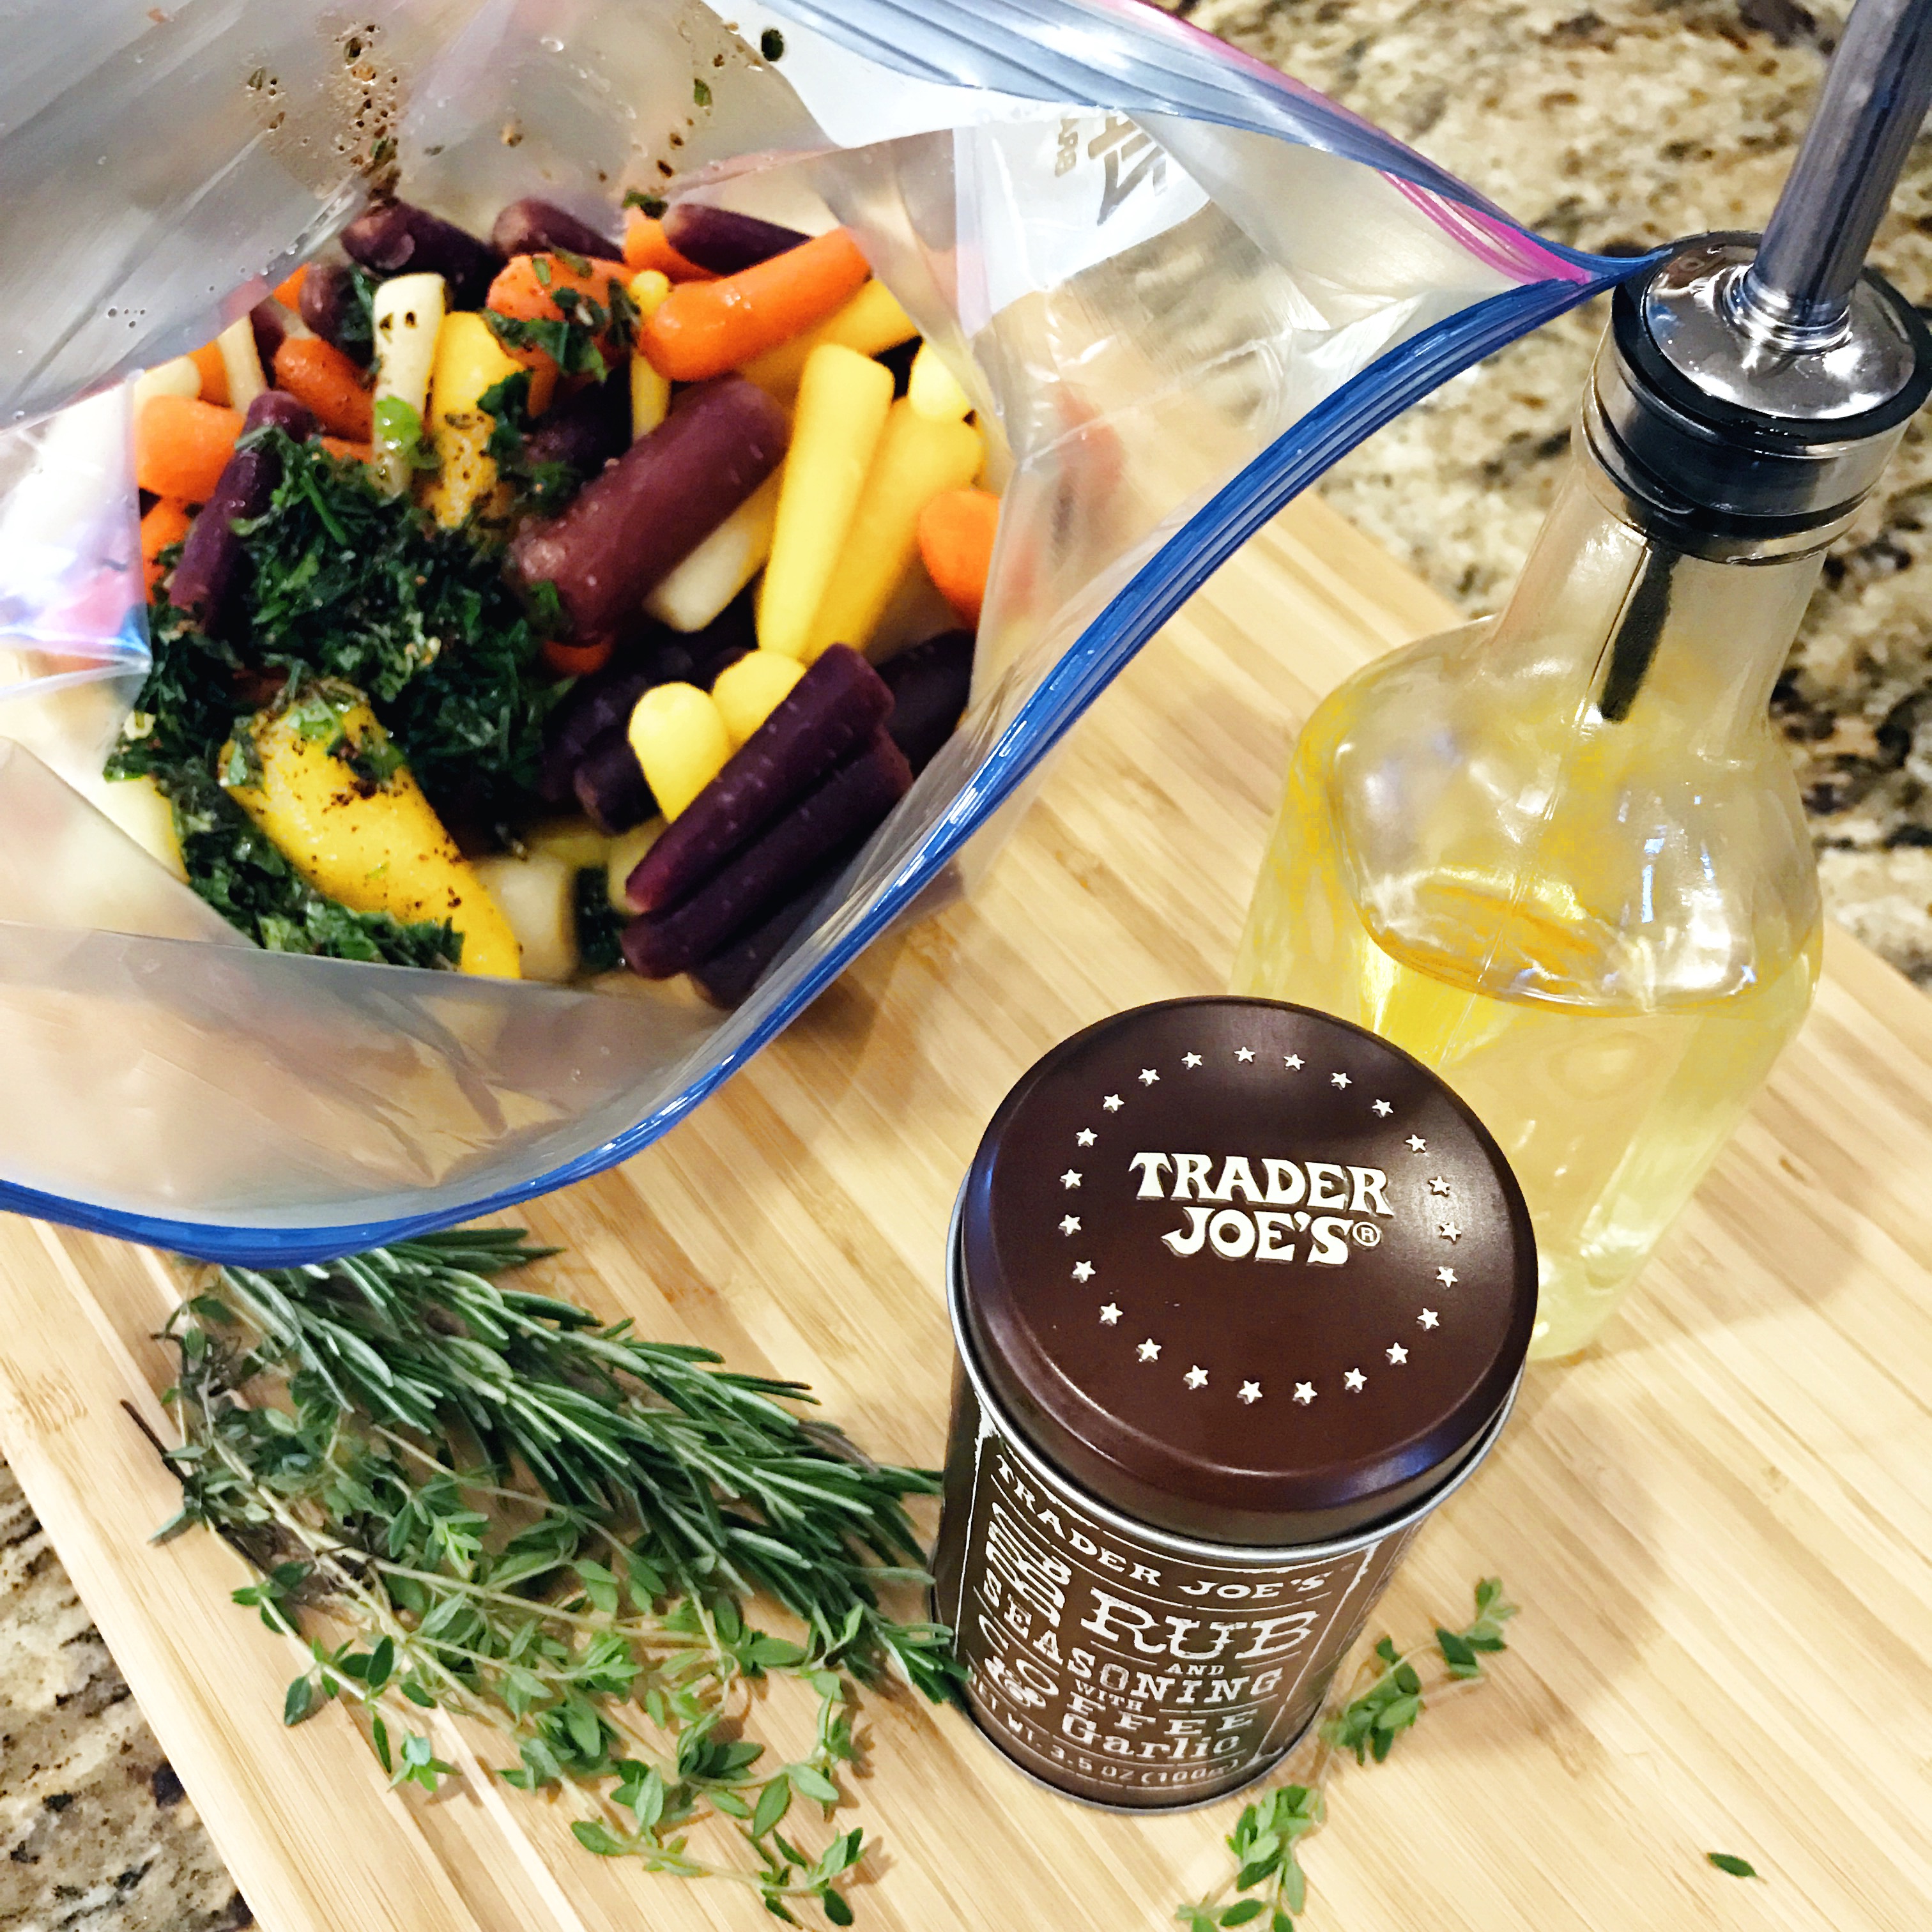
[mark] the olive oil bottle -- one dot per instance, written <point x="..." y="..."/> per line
<point x="1560" y="857"/>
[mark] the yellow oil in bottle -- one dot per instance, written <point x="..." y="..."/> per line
<point x="1610" y="1113"/>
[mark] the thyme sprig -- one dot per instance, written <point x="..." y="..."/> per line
<point x="476" y="1499"/>
<point x="1384" y="1700"/>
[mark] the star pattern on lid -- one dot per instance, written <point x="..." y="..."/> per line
<point x="1198" y="1376"/>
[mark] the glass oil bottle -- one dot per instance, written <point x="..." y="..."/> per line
<point x="1560" y="857"/>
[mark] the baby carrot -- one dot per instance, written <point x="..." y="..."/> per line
<point x="917" y="460"/>
<point x="527" y="291"/>
<point x="347" y="451"/>
<point x="318" y="373"/>
<point x="181" y="446"/>
<point x="871" y="322"/>
<point x="843" y="402"/>
<point x="166" y="522"/>
<point x="214" y="373"/>
<point x="705" y="328"/>
<point x="577" y="660"/>
<point x="288" y="291"/>
<point x="955" y="539"/>
<point x="645" y="247"/>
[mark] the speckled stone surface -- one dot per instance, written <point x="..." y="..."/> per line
<point x="1614" y="127"/>
<point x="98" y="1835"/>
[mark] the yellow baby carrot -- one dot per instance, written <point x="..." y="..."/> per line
<point x="842" y="404"/>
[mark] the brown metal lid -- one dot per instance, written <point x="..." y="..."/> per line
<point x="1244" y="1271"/>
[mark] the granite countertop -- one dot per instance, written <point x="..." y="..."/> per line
<point x="1613" y="126"/>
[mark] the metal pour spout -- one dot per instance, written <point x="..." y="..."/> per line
<point x="1797" y="294"/>
<point x="1752" y="388"/>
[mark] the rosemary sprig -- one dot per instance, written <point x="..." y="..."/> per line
<point x="476" y="1499"/>
<point x="1384" y="1700"/>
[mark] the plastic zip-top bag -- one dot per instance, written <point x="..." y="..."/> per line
<point x="1175" y="286"/>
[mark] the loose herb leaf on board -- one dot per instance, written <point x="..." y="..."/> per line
<point x="1727" y="1861"/>
<point x="1387" y="1697"/>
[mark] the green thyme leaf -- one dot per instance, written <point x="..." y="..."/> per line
<point x="1387" y="1698"/>
<point x="772" y="44"/>
<point x="1726" y="1861"/>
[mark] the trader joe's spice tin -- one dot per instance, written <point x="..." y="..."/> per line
<point x="1241" y="1292"/>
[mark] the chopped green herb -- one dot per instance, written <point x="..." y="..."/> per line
<point x="542" y="488"/>
<point x="356" y="335"/>
<point x="569" y="342"/>
<point x="1726" y="1862"/>
<point x="701" y="92"/>
<point x="348" y="584"/>
<point x="399" y="432"/>
<point x="546" y="609"/>
<point x="653" y="205"/>
<point x="599" y="926"/>
<point x="771" y="44"/>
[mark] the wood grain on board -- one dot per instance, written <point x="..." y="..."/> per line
<point x="1717" y="1522"/>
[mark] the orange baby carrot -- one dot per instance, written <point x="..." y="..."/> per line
<point x="288" y="291"/>
<point x="578" y="660"/>
<point x="955" y="541"/>
<point x="181" y="446"/>
<point x="165" y="524"/>
<point x="348" y="452"/>
<point x="645" y="247"/>
<point x="703" y="329"/>
<point x="213" y="374"/>
<point x="318" y="373"/>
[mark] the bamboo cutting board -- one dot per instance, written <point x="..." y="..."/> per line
<point x="1717" y="1523"/>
